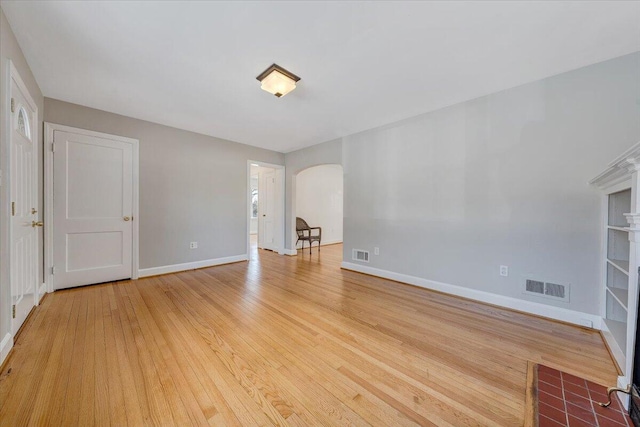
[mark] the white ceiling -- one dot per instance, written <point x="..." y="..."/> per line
<point x="363" y="64"/>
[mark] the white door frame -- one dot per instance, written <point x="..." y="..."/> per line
<point x="279" y="205"/>
<point x="49" y="129"/>
<point x="14" y="75"/>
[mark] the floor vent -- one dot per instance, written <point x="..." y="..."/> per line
<point x="360" y="255"/>
<point x="547" y="289"/>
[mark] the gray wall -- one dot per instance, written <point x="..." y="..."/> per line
<point x="451" y="195"/>
<point x="296" y="161"/>
<point x="10" y="50"/>
<point x="192" y="187"/>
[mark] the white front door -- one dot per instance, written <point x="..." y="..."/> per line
<point x="92" y="209"/>
<point x="24" y="196"/>
<point x="266" y="200"/>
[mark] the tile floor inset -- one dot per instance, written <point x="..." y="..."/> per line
<point x="566" y="400"/>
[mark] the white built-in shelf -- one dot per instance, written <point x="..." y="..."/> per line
<point x="620" y="264"/>
<point x="619" y="332"/>
<point x="621" y="296"/>
<point x="620" y="184"/>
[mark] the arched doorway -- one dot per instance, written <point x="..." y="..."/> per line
<point x="317" y="197"/>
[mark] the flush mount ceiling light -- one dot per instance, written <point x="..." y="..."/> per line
<point x="277" y="80"/>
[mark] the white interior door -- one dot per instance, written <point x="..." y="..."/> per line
<point x="266" y="201"/>
<point x="24" y="194"/>
<point x="92" y="209"/>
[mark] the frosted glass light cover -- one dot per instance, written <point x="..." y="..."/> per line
<point x="278" y="84"/>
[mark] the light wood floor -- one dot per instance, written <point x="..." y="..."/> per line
<point x="285" y="341"/>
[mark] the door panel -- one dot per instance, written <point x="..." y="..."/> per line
<point x="93" y="200"/>
<point x="110" y="254"/>
<point x="24" y="235"/>
<point x="269" y="210"/>
<point x="93" y="170"/>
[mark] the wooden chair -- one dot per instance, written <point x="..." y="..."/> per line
<point x="305" y="233"/>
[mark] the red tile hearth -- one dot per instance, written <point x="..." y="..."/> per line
<point x="566" y="400"/>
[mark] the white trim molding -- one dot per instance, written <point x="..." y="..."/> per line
<point x="280" y="197"/>
<point x="538" y="309"/>
<point x="327" y="243"/>
<point x="294" y="251"/>
<point x="154" y="271"/>
<point x="5" y="347"/>
<point x="619" y="170"/>
<point x="41" y="292"/>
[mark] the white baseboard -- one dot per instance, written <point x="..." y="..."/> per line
<point x="324" y="243"/>
<point x="290" y="252"/>
<point x="551" y="312"/>
<point x="298" y="247"/>
<point x="5" y="346"/>
<point x="41" y="292"/>
<point x="614" y="348"/>
<point x="154" y="271"/>
<point x="331" y="242"/>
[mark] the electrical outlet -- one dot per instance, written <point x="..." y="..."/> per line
<point x="376" y="251"/>
<point x="504" y="270"/>
<point x="193" y="245"/>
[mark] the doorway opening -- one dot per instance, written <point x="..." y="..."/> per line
<point x="265" y="208"/>
<point x="318" y="193"/>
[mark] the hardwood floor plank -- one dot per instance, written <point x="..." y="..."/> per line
<point x="24" y="361"/>
<point x="113" y="373"/>
<point x="37" y="406"/>
<point x="105" y="410"/>
<point x="119" y="365"/>
<point x="86" y="416"/>
<point x="29" y="371"/>
<point x="281" y="341"/>
<point x="76" y="359"/>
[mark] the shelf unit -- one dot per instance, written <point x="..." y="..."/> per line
<point x="617" y="267"/>
<point x="620" y="183"/>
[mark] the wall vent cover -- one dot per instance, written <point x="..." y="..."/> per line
<point x="554" y="290"/>
<point x="547" y="289"/>
<point x="360" y="255"/>
<point x="535" y="286"/>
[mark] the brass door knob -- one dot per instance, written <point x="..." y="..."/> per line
<point x="37" y="224"/>
<point x="126" y="218"/>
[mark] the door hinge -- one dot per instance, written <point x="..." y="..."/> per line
<point x="13" y="208"/>
<point x="53" y="147"/>
<point x="53" y="270"/>
<point x="13" y="105"/>
<point x="13" y="311"/>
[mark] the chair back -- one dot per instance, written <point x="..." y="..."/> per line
<point x="301" y="225"/>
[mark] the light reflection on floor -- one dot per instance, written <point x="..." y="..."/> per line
<point x="252" y="279"/>
<point x="254" y="271"/>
